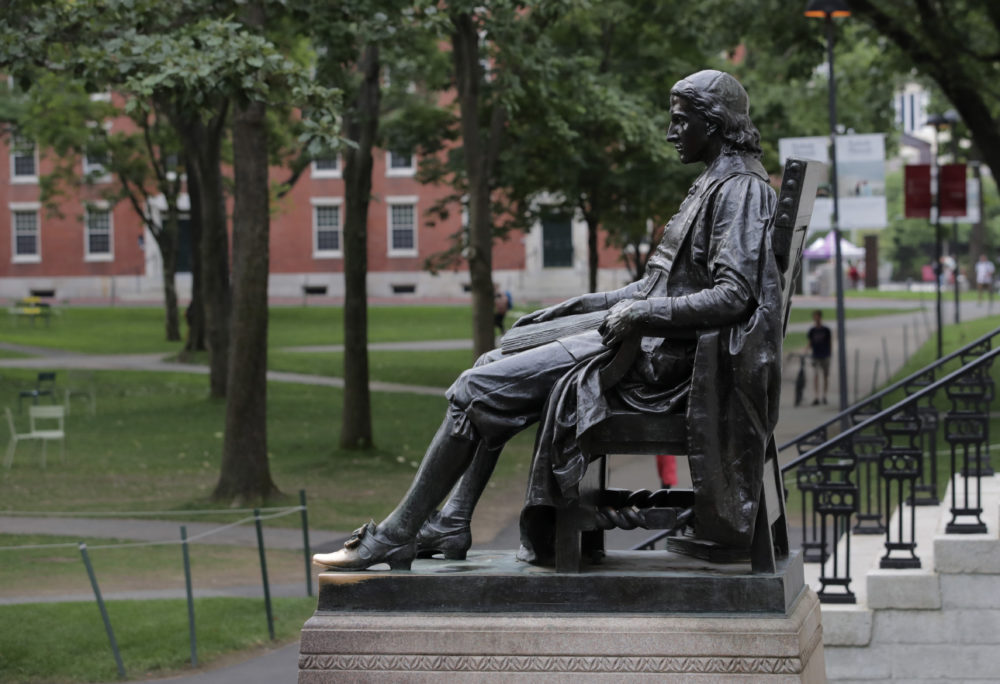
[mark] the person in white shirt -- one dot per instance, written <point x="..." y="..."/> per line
<point x="984" y="277"/>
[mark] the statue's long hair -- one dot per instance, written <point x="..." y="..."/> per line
<point x="738" y="133"/>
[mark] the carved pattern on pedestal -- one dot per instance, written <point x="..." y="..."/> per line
<point x="490" y="663"/>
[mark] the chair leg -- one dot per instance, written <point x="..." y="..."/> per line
<point x="762" y="560"/>
<point x="62" y="450"/>
<point x="44" y="442"/>
<point x="568" y="552"/>
<point x="9" y="456"/>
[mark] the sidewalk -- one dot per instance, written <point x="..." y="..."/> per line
<point x="885" y="338"/>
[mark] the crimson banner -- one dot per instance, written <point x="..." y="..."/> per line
<point x="952" y="187"/>
<point x="917" y="190"/>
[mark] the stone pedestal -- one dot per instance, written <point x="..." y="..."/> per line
<point x="490" y="619"/>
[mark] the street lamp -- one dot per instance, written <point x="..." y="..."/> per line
<point x="828" y="10"/>
<point x="940" y="122"/>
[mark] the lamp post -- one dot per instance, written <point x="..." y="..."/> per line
<point x="940" y="122"/>
<point x="828" y="10"/>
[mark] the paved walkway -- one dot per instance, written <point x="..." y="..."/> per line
<point x="877" y="347"/>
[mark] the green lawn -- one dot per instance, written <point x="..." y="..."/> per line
<point x="156" y="441"/>
<point x="947" y="292"/>
<point x="427" y="368"/>
<point x="139" y="330"/>
<point x="52" y="643"/>
<point x="59" y="571"/>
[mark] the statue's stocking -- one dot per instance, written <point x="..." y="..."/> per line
<point x="446" y="459"/>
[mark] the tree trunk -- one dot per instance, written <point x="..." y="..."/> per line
<point x="202" y="144"/>
<point x="166" y="240"/>
<point x="195" y="314"/>
<point x="465" y="50"/>
<point x="245" y="475"/>
<point x="361" y="125"/>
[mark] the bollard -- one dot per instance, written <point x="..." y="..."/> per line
<point x="263" y="573"/>
<point x="305" y="541"/>
<point x="885" y="355"/>
<point x="857" y="369"/>
<point x="104" y="612"/>
<point x="190" y="597"/>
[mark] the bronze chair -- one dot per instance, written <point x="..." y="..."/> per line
<point x="580" y="527"/>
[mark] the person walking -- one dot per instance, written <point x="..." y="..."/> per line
<point x="501" y="305"/>
<point x="984" y="277"/>
<point x="820" y="345"/>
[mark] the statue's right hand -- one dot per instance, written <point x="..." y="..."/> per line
<point x="570" y="306"/>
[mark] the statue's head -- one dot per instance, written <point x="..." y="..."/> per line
<point x="723" y="105"/>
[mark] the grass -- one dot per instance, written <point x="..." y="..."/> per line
<point x="66" y="642"/>
<point x="131" y="568"/>
<point x="427" y="368"/>
<point x="139" y="330"/>
<point x="155" y="444"/>
<point x="804" y="314"/>
<point x="947" y="292"/>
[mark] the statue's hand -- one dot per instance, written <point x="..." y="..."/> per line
<point x="624" y="318"/>
<point x="570" y="306"/>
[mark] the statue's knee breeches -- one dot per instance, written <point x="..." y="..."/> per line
<point x="503" y="394"/>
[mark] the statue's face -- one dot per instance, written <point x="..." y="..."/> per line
<point x="688" y="132"/>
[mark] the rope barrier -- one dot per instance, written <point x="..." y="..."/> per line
<point x="207" y="533"/>
<point x="134" y="514"/>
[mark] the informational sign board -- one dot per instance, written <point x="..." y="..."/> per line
<point x="861" y="179"/>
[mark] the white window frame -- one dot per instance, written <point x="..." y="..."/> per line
<point x="22" y="179"/>
<point x="35" y="258"/>
<point x="403" y="171"/>
<point x="88" y="168"/>
<point x="328" y="173"/>
<point x="98" y="256"/>
<point x="317" y="202"/>
<point x="398" y="201"/>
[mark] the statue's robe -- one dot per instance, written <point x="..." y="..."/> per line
<point x="713" y="349"/>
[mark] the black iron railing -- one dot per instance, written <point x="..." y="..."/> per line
<point x="881" y="462"/>
<point x="882" y="457"/>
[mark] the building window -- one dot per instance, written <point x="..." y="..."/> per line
<point x="23" y="160"/>
<point x="24" y="219"/>
<point x="327" y="227"/>
<point x="400" y="163"/>
<point x="95" y="166"/>
<point x="326" y="167"/>
<point x="98" y="237"/>
<point x="403" y="226"/>
<point x="557" y="242"/>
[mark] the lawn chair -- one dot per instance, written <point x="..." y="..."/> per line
<point x="48" y="423"/>
<point x="81" y="385"/>
<point x="52" y="428"/>
<point x="580" y="526"/>
<point x="45" y="385"/>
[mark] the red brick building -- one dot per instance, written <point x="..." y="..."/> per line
<point x="97" y="251"/>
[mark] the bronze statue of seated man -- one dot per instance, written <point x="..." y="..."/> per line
<point x="713" y="269"/>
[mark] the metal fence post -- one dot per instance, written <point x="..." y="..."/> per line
<point x="190" y="597"/>
<point x="305" y="541"/>
<point x="263" y="572"/>
<point x="104" y="612"/>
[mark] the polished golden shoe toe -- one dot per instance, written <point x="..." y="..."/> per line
<point x="368" y="547"/>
